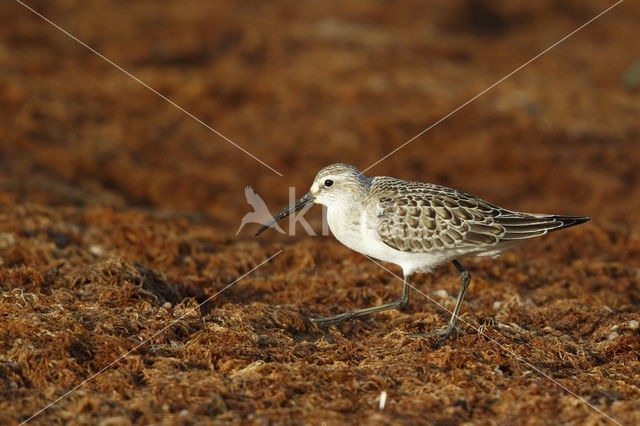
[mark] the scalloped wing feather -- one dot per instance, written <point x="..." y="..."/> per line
<point x="420" y="218"/>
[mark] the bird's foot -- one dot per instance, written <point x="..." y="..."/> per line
<point x="333" y="320"/>
<point x="443" y="333"/>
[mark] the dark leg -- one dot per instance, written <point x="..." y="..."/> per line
<point x="465" y="278"/>
<point x="340" y="318"/>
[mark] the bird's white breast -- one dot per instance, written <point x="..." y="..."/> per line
<point x="356" y="228"/>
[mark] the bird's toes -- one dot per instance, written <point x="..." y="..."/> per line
<point x="443" y="333"/>
<point x="329" y="321"/>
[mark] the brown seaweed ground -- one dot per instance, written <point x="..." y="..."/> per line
<point x="118" y="213"/>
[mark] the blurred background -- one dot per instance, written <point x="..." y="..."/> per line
<point x="118" y="211"/>
<point x="301" y="87"/>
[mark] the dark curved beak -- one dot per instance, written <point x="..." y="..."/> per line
<point x="299" y="204"/>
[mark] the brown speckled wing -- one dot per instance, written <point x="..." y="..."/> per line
<point x="418" y="217"/>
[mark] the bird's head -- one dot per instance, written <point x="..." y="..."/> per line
<point x="334" y="185"/>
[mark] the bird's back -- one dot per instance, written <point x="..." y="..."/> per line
<point x="421" y="218"/>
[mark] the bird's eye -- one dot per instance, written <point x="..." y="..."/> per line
<point x="328" y="183"/>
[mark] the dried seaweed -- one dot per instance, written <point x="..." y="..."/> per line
<point x="118" y="215"/>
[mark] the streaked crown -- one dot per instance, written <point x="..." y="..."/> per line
<point x="339" y="183"/>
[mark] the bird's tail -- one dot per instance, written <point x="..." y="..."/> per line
<point x="523" y="226"/>
<point x="569" y="221"/>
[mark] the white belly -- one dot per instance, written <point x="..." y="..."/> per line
<point x="358" y="231"/>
